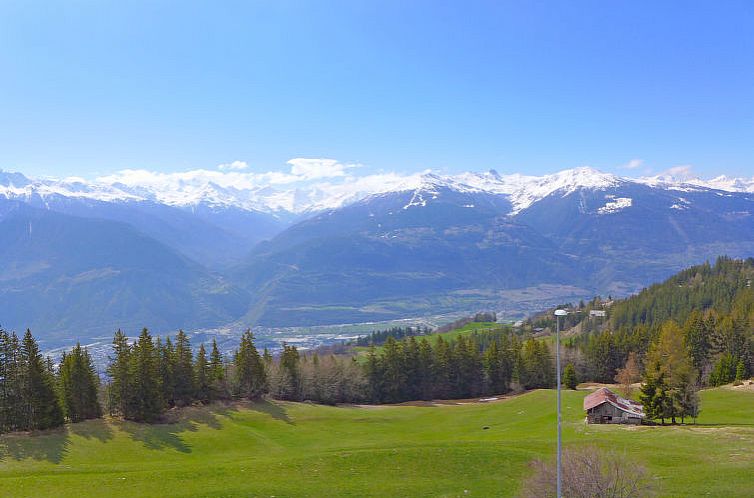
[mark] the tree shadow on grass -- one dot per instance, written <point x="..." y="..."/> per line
<point x="51" y="445"/>
<point x="98" y="429"/>
<point x="167" y="433"/>
<point x="157" y="436"/>
<point x="274" y="410"/>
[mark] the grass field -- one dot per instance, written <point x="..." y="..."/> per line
<point x="298" y="449"/>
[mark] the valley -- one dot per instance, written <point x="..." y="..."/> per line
<point x="222" y="253"/>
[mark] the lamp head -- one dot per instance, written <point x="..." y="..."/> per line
<point x="561" y="312"/>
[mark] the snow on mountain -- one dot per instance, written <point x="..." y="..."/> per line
<point x="523" y="190"/>
<point x="685" y="183"/>
<point x="274" y="192"/>
<point x="615" y="204"/>
<point x="728" y="184"/>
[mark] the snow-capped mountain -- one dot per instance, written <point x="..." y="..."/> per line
<point x="255" y="192"/>
<point x="308" y="247"/>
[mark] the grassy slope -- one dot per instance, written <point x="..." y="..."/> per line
<point x="292" y="449"/>
<point x="467" y="329"/>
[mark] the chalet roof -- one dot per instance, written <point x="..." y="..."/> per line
<point x="605" y="395"/>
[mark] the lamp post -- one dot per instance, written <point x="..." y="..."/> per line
<point x="558" y="314"/>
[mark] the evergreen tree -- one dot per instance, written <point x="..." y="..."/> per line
<point x="145" y="403"/>
<point x="217" y="371"/>
<point x="469" y="367"/>
<point x="653" y="395"/>
<point x="412" y="388"/>
<point x="740" y="370"/>
<point x="11" y="414"/>
<point x="669" y="362"/>
<point x="203" y="372"/>
<point x="424" y="370"/>
<point x="40" y="404"/>
<point x="394" y="375"/>
<point x="119" y="373"/>
<point x="166" y="368"/>
<point x="569" y="376"/>
<point x="493" y="369"/>
<point x="251" y="378"/>
<point x="375" y="375"/>
<point x="697" y="339"/>
<point x="724" y="371"/>
<point x="183" y="370"/>
<point x="443" y="366"/>
<point x="291" y="373"/>
<point x="79" y="385"/>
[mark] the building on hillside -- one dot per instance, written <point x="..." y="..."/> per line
<point x="603" y="406"/>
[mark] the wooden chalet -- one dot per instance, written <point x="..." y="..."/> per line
<point x="603" y="406"/>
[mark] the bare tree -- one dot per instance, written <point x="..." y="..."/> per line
<point x="628" y="374"/>
<point x="590" y="473"/>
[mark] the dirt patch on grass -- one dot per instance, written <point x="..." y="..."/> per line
<point x="450" y="402"/>
<point x="747" y="385"/>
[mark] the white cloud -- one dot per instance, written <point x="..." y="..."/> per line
<point x="234" y="166"/>
<point x="633" y="164"/>
<point x="681" y="172"/>
<point x="312" y="168"/>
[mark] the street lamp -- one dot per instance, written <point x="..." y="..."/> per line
<point x="558" y="314"/>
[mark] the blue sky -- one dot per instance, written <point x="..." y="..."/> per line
<point x="89" y="87"/>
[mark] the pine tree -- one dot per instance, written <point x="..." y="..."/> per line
<point x="425" y="369"/>
<point x="11" y="414"/>
<point x="375" y="375"/>
<point x="740" y="370"/>
<point x="251" y="377"/>
<point x="653" y="396"/>
<point x="443" y="366"/>
<point x="183" y="370"/>
<point x="289" y="365"/>
<point x="203" y="381"/>
<point x="569" y="376"/>
<point x="697" y="338"/>
<point x="493" y="369"/>
<point x="217" y="371"/>
<point x="40" y="404"/>
<point x="411" y="368"/>
<point x="394" y="377"/>
<point x="79" y="385"/>
<point x="668" y="360"/>
<point x="119" y="373"/>
<point x="145" y="403"/>
<point x="166" y="369"/>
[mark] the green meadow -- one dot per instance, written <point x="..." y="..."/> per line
<point x="299" y="449"/>
<point x="467" y="329"/>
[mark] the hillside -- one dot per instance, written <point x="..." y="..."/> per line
<point x="724" y="288"/>
<point x="292" y="449"/>
<point x="63" y="275"/>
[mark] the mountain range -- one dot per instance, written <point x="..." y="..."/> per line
<point x="204" y="249"/>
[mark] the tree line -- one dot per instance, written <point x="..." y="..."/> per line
<point x="35" y="395"/>
<point x="482" y="363"/>
<point x="378" y="337"/>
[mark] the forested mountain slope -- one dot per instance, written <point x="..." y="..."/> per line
<point x="724" y="288"/>
<point x="707" y="309"/>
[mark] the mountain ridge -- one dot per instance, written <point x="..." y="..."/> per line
<point x="222" y="190"/>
